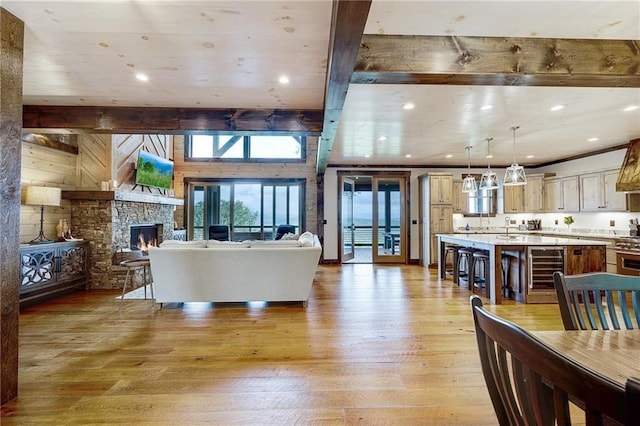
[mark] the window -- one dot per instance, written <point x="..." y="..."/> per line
<point x="482" y="202"/>
<point x="252" y="208"/>
<point x="245" y="148"/>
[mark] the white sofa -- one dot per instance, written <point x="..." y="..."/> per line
<point x="234" y="272"/>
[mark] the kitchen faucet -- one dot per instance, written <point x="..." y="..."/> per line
<point x="507" y="221"/>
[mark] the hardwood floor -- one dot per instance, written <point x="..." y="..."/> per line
<point x="375" y="345"/>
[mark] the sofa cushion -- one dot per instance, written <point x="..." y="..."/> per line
<point x="306" y="239"/>
<point x="184" y="244"/>
<point x="227" y="244"/>
<point x="275" y="243"/>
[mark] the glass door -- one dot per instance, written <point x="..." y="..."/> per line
<point x="389" y="224"/>
<point x="348" y="226"/>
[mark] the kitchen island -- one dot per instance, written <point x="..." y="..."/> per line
<point x="532" y="259"/>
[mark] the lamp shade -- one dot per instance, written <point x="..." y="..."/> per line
<point x="42" y="196"/>
<point x="489" y="180"/>
<point x="469" y="184"/>
<point x="515" y="176"/>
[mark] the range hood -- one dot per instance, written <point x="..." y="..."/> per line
<point x="629" y="176"/>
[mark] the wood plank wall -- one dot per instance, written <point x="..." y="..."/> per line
<point x="125" y="152"/>
<point x="306" y="170"/>
<point x="43" y="166"/>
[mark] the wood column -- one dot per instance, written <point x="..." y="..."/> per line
<point x="11" y="53"/>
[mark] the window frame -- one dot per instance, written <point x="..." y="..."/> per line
<point x="301" y="183"/>
<point x="245" y="139"/>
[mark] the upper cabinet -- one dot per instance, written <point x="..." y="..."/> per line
<point x="561" y="194"/>
<point x="598" y="192"/>
<point x="441" y="188"/>
<point x="514" y="199"/>
<point x="534" y="194"/>
<point x="459" y="198"/>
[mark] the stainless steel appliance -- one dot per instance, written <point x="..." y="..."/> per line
<point x="628" y="256"/>
<point x="543" y="262"/>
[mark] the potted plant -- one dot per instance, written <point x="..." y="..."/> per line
<point x="568" y="220"/>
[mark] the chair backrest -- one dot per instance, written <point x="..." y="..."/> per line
<point x="531" y="384"/>
<point x="219" y="232"/>
<point x="598" y="300"/>
<point x="284" y="229"/>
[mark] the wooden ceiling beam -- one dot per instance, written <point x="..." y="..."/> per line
<point x="347" y="25"/>
<point x="171" y="120"/>
<point x="497" y="61"/>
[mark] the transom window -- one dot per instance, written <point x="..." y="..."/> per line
<point x="245" y="147"/>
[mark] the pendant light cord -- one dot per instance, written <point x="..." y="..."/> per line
<point x="514" y="128"/>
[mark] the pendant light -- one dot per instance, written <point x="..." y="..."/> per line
<point x="515" y="174"/>
<point x="469" y="183"/>
<point x="489" y="179"/>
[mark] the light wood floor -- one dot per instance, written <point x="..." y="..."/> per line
<point x="376" y="345"/>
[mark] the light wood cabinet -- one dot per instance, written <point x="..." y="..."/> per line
<point x="513" y="199"/>
<point x="534" y="194"/>
<point x="441" y="188"/>
<point x="561" y="194"/>
<point x="598" y="192"/>
<point x="459" y="199"/>
<point x="440" y="222"/>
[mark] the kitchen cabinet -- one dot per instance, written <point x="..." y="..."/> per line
<point x="440" y="222"/>
<point x="514" y="199"/>
<point x="561" y="194"/>
<point x="459" y="198"/>
<point x="51" y="270"/>
<point x="598" y="192"/>
<point x="440" y="188"/>
<point x="534" y="194"/>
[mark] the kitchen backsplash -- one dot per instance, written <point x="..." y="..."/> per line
<point x="583" y="223"/>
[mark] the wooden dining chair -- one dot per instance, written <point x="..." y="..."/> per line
<point x="532" y="384"/>
<point x="598" y="301"/>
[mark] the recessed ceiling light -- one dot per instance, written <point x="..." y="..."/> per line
<point x="407" y="156"/>
<point x="408" y="106"/>
<point x="488" y="156"/>
<point x="486" y="107"/>
<point x="557" y="107"/>
<point x="367" y="155"/>
<point x="382" y="138"/>
<point x="283" y="79"/>
<point x="530" y="156"/>
<point x="593" y="139"/>
<point x="142" y="77"/>
<point x="448" y="156"/>
<point x="631" y="108"/>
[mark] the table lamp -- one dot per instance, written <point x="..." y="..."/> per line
<point x="42" y="196"/>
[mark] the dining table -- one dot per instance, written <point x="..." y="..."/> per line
<point x="613" y="354"/>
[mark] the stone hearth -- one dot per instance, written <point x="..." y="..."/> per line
<point x="106" y="225"/>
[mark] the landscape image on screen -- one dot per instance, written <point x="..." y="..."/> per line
<point x="154" y="171"/>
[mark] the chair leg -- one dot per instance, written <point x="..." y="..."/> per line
<point x="124" y="287"/>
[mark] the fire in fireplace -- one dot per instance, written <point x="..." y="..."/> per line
<point x="143" y="236"/>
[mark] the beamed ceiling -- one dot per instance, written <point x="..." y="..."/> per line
<point x="352" y="65"/>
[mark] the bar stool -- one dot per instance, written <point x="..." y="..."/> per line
<point x="480" y="264"/>
<point x="134" y="265"/>
<point x="452" y="250"/>
<point x="464" y="266"/>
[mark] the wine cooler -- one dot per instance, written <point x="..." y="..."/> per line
<point x="543" y="262"/>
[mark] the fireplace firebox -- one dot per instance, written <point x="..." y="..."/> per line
<point x="143" y="236"/>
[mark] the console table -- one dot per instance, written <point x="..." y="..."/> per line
<point x="52" y="269"/>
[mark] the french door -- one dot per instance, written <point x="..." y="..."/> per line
<point x="373" y="217"/>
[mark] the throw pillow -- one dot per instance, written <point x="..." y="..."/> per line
<point x="290" y="236"/>
<point x="306" y="239"/>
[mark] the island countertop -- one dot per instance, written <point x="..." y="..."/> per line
<point x="518" y="240"/>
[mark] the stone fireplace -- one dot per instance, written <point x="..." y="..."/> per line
<point x="108" y="219"/>
<point x="145" y="235"/>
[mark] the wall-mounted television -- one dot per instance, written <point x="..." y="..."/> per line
<point x="154" y="171"/>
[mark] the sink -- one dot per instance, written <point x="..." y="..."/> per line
<point x="509" y="237"/>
